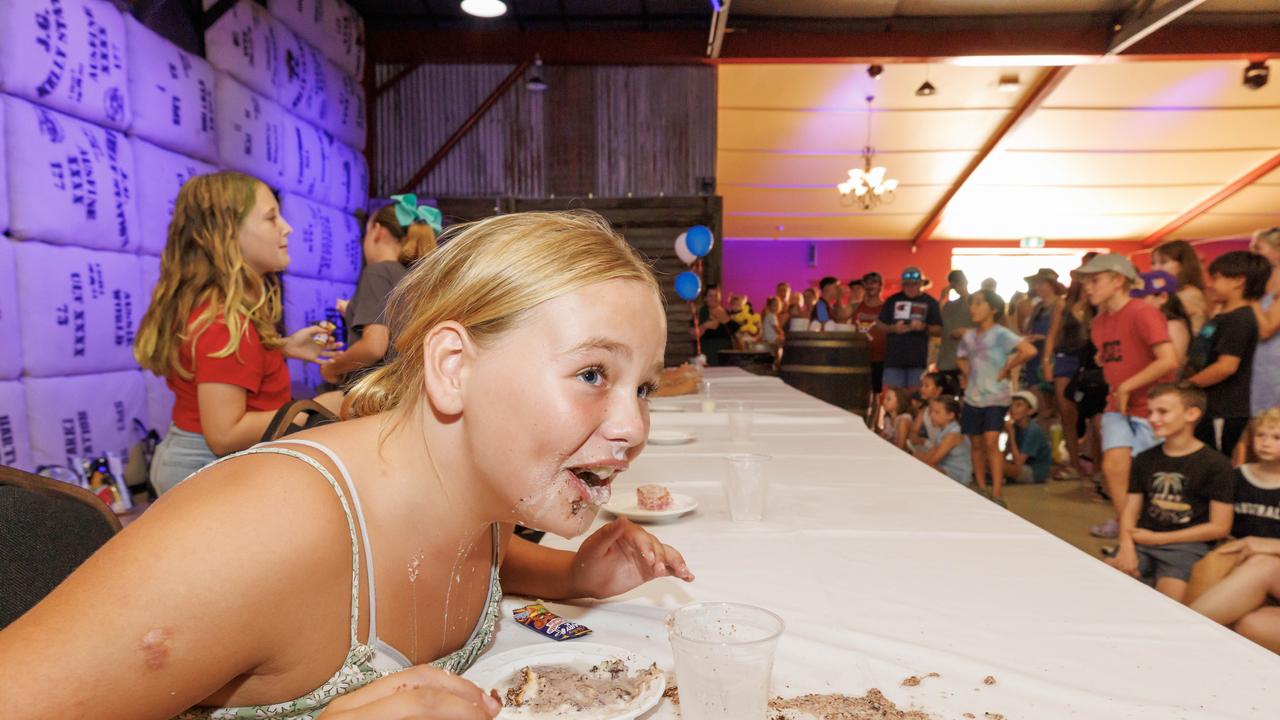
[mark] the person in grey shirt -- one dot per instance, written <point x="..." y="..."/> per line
<point x="955" y="319"/>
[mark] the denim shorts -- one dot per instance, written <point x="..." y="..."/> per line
<point x="1120" y="430"/>
<point x="978" y="420"/>
<point x="178" y="455"/>
<point x="902" y="377"/>
<point x="1065" y="366"/>
<point x="1174" y="560"/>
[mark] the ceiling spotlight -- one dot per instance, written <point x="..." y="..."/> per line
<point x="1256" y="75"/>
<point x="1009" y="82"/>
<point x="535" y="82"/>
<point x="484" y="8"/>
<point x="875" y="71"/>
<point x="926" y="89"/>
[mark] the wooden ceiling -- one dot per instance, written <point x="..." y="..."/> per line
<point x="1115" y="151"/>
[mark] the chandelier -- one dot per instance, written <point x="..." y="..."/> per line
<point x="867" y="186"/>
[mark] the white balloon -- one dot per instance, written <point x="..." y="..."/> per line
<point x="683" y="251"/>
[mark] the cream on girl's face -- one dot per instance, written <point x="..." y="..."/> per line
<point x="264" y="235"/>
<point x="562" y="394"/>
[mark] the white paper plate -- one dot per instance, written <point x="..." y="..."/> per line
<point x="624" y="504"/>
<point x="670" y="437"/>
<point x="495" y="671"/>
<point x="661" y="408"/>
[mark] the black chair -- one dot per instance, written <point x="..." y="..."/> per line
<point x="285" y="422"/>
<point x="47" y="529"/>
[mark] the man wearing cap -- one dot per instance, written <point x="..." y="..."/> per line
<point x="1030" y="456"/>
<point x="1134" y="351"/>
<point x="909" y="317"/>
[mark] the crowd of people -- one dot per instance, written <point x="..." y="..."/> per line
<point x="1163" y="387"/>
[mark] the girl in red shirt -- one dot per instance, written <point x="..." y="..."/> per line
<point x="210" y="329"/>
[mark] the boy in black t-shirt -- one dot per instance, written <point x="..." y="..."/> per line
<point x="1179" y="497"/>
<point x="1222" y="353"/>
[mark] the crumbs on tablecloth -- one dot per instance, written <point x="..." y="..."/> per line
<point x="989" y="680"/>
<point x="672" y="693"/>
<point x="872" y="706"/>
<point x="915" y="680"/>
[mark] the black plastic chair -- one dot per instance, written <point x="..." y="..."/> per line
<point x="47" y="529"/>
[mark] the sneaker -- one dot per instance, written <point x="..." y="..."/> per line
<point x="1109" y="551"/>
<point x="1108" y="529"/>
<point x="1067" y="473"/>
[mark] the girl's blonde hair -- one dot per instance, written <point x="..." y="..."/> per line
<point x="487" y="276"/>
<point x="1267" y="418"/>
<point x="202" y="264"/>
<point x="416" y="240"/>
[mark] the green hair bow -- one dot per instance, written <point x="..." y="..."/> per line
<point x="408" y="211"/>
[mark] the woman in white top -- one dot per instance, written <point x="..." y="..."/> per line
<point x="514" y="396"/>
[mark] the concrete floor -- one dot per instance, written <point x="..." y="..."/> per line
<point x="1065" y="508"/>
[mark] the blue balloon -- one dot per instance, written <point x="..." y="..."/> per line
<point x="688" y="285"/>
<point x="699" y="240"/>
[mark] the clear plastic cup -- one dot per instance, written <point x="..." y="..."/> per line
<point x="739" y="422"/>
<point x="746" y="486"/>
<point x="724" y="659"/>
<point x="704" y="394"/>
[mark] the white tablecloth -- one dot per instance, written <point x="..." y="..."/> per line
<point x="884" y="568"/>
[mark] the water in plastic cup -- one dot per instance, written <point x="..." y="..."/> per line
<point x="724" y="660"/>
<point x="739" y="422"/>
<point x="704" y="394"/>
<point x="746" y="486"/>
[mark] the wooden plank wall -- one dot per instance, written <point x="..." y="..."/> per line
<point x="649" y="224"/>
<point x="607" y="131"/>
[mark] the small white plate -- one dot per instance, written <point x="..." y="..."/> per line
<point x="495" y="671"/>
<point x="660" y="408"/>
<point x="624" y="504"/>
<point x="670" y="437"/>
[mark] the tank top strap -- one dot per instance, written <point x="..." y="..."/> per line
<point x="267" y="449"/>
<point x="360" y="523"/>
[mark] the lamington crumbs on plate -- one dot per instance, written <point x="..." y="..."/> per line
<point x="672" y="693"/>
<point x="915" y="680"/>
<point x="989" y="680"/>
<point x="993" y="716"/>
<point x="872" y="706"/>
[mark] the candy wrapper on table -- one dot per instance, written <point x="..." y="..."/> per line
<point x="539" y="619"/>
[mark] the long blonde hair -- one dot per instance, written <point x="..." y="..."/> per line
<point x="416" y="239"/>
<point x="486" y="277"/>
<point x="202" y="264"/>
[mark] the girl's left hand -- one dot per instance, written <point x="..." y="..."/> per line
<point x="621" y="556"/>
<point x="302" y="345"/>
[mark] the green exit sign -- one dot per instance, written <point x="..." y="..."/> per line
<point x="1032" y="242"/>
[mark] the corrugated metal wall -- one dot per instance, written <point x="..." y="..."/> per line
<point x="606" y="130"/>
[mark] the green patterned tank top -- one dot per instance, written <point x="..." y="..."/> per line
<point x="361" y="666"/>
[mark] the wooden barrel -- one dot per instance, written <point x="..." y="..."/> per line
<point x="831" y="366"/>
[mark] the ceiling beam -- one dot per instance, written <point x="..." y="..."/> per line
<point x="1213" y="200"/>
<point x="1048" y="81"/>
<point x="1143" y="25"/>
<point x="719" y="23"/>
<point x="409" y="42"/>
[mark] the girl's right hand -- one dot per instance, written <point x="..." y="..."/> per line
<point x="419" y="693"/>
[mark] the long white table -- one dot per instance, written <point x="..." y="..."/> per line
<point x="883" y="568"/>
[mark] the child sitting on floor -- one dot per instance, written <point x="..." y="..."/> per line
<point x="1240" y="600"/>
<point x="1179" y="498"/>
<point x="949" y="452"/>
<point x="1030" y="457"/>
<point x="897" y="416"/>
